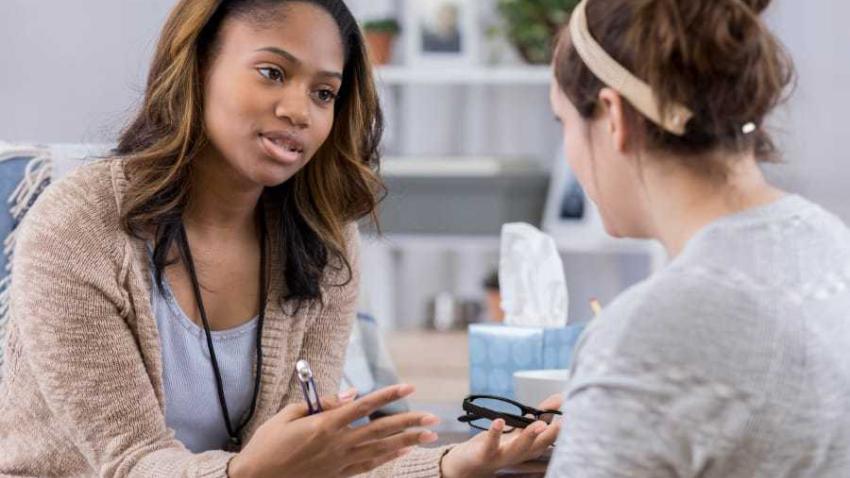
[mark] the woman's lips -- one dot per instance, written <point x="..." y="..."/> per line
<point x="281" y="148"/>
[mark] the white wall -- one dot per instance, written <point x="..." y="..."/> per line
<point x="71" y="71"/>
<point x="814" y="129"/>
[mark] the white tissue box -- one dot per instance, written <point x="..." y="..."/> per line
<point x="497" y="351"/>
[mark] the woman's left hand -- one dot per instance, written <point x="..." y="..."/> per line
<point x="492" y="450"/>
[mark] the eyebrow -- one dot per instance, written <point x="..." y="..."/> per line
<point x="293" y="59"/>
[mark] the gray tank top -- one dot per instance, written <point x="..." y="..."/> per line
<point x="192" y="408"/>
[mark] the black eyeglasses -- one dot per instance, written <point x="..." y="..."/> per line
<point x="483" y="410"/>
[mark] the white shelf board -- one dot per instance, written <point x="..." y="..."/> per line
<point x="459" y="166"/>
<point x="502" y="75"/>
<point x="598" y="245"/>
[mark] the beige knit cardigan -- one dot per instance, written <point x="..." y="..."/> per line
<point x="82" y="392"/>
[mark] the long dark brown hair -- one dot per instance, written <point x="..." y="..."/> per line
<point x="339" y="185"/>
<point x="716" y="57"/>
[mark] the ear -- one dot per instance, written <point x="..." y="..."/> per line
<point x="614" y="118"/>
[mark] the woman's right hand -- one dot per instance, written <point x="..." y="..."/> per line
<point x="295" y="444"/>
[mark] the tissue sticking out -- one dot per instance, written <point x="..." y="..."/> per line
<point x="531" y="278"/>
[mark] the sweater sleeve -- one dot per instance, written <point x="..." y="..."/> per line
<point x="324" y="347"/>
<point x="72" y="316"/>
<point x="420" y="463"/>
<point x="326" y="340"/>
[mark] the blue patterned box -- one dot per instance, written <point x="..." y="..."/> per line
<point x="497" y="351"/>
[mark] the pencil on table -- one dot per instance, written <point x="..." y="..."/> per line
<point x="595" y="306"/>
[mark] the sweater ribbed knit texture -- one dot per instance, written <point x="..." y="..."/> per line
<point x="82" y="393"/>
<point x="732" y="362"/>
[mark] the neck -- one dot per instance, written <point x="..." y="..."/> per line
<point x="219" y="202"/>
<point x="681" y="202"/>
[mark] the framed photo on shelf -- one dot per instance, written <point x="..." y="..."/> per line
<point x="569" y="215"/>
<point x="441" y="32"/>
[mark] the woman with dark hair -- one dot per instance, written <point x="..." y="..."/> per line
<point x="732" y="361"/>
<point x="162" y="297"/>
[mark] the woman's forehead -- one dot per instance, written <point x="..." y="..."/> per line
<point x="306" y="31"/>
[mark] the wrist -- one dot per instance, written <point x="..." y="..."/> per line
<point x="455" y="464"/>
<point x="447" y="468"/>
<point x="237" y="468"/>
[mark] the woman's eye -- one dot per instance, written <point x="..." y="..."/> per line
<point x="326" y="96"/>
<point x="271" y="73"/>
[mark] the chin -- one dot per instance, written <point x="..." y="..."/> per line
<point x="616" y="230"/>
<point x="625" y="232"/>
<point x="272" y="180"/>
<point x="613" y="232"/>
<point x="271" y="174"/>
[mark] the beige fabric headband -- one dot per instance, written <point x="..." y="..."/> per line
<point x="637" y="91"/>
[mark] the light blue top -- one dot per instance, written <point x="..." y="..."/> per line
<point x="192" y="408"/>
<point x="732" y="362"/>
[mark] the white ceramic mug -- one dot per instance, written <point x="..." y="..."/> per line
<point x="534" y="386"/>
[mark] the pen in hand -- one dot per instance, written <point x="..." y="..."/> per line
<point x="308" y="386"/>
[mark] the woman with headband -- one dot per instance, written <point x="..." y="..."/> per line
<point x="732" y="361"/>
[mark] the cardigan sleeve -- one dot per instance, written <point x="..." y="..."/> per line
<point x="324" y="347"/>
<point x="71" y="314"/>
<point x="326" y="341"/>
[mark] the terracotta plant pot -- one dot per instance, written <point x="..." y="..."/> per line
<point x="380" y="46"/>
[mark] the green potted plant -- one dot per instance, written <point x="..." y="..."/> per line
<point x="380" y="34"/>
<point x="531" y="25"/>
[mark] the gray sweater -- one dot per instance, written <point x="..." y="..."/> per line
<point x="734" y="361"/>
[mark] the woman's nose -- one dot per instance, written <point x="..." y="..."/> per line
<point x="294" y="106"/>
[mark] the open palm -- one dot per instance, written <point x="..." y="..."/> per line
<point x="492" y="450"/>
